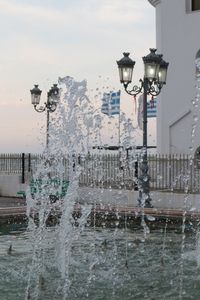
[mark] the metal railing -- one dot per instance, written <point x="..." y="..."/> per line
<point x="174" y="173"/>
<point x="167" y="172"/>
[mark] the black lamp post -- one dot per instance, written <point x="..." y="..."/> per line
<point x="155" y="73"/>
<point x="49" y="106"/>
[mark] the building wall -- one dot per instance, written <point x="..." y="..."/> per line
<point x="177" y="39"/>
<point x="11" y="186"/>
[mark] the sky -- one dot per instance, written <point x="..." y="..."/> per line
<point x="42" y="40"/>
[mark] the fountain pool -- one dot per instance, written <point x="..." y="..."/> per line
<point x="105" y="264"/>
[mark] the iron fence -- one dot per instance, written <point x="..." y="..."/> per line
<point x="167" y="172"/>
<point x="174" y="173"/>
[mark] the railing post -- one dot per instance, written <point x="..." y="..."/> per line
<point x="29" y="162"/>
<point x="23" y="167"/>
<point x="136" y="176"/>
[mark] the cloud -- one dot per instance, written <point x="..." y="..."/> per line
<point x="79" y="25"/>
<point x="107" y="11"/>
<point x="30" y="12"/>
<point x="121" y="11"/>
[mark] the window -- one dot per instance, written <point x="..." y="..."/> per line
<point x="192" y="6"/>
<point x="197" y="63"/>
<point x="195" y="5"/>
<point x="197" y="158"/>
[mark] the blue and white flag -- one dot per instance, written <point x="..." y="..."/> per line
<point x="115" y="103"/>
<point x="111" y="103"/>
<point x="152" y="109"/>
<point x="105" y="103"/>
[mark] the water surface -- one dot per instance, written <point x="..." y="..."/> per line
<point x="105" y="264"/>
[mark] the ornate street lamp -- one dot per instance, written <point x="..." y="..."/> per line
<point x="49" y="106"/>
<point x="155" y="73"/>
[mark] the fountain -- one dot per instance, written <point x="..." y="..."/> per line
<point x="64" y="254"/>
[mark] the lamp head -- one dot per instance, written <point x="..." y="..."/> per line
<point x="35" y="95"/>
<point x="151" y="65"/>
<point x="53" y="94"/>
<point x="162" y="73"/>
<point x="125" y="66"/>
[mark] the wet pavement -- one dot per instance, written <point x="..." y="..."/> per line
<point x="12" y="202"/>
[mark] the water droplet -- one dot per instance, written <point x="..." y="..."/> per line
<point x="195" y="118"/>
<point x="150" y="218"/>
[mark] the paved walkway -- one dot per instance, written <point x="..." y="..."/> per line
<point x="11" y="202"/>
<point x="165" y="200"/>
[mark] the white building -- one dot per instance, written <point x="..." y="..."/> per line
<point x="177" y="38"/>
